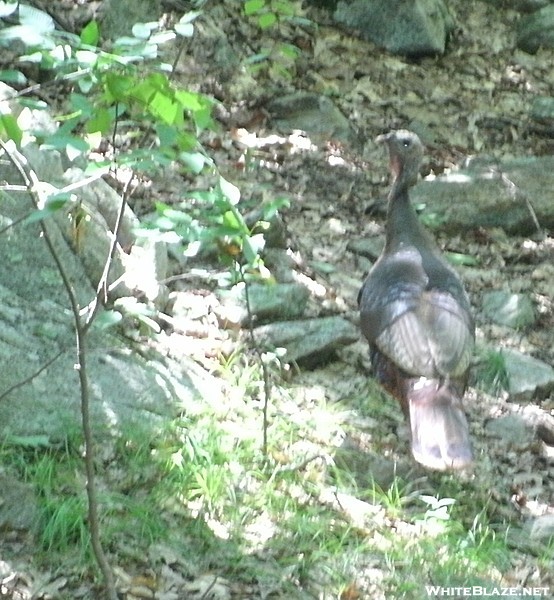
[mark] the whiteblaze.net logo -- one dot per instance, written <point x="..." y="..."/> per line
<point x="486" y="592"/>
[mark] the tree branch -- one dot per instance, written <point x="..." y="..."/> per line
<point x="33" y="186"/>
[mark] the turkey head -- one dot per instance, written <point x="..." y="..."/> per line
<point x="416" y="317"/>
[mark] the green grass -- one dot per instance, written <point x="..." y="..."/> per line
<point x="296" y="521"/>
<point x="490" y="373"/>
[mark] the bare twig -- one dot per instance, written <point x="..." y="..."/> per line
<point x="102" y="288"/>
<point x="259" y="353"/>
<point x="209" y="588"/>
<point x="25" y="381"/>
<point x="299" y="466"/>
<point x="33" y="185"/>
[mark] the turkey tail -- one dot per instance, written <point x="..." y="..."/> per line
<point x="439" y="429"/>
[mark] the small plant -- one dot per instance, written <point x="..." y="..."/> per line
<point x="394" y="498"/>
<point x="439" y="508"/>
<point x="491" y="374"/>
<point x="279" y="59"/>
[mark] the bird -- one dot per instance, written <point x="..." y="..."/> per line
<point x="416" y="317"/>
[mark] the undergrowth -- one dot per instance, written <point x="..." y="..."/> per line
<point x="201" y="483"/>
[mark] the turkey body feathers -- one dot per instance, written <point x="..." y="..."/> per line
<point x="421" y="323"/>
<point x="416" y="317"/>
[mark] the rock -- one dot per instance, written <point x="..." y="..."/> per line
<point x="309" y="342"/>
<point x="314" y="114"/>
<point x="267" y="302"/>
<point x="536" y="30"/>
<point x="414" y="28"/>
<point x="18" y="504"/>
<point x="542" y="110"/>
<point x="542" y="528"/>
<point x="275" y="235"/>
<point x="526" y="375"/>
<point x="512" y="430"/>
<point x="119" y="16"/>
<point x="512" y="310"/>
<point x="485" y="195"/>
<point x="520" y="539"/>
<point x="145" y="268"/>
<point x="86" y="223"/>
<point x="541" y="423"/>
<point x="36" y="324"/>
<point x="282" y="264"/>
<point x="369" y="247"/>
<point x="545" y="430"/>
<point x="364" y="465"/>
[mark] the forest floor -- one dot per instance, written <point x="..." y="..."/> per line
<point x="474" y="100"/>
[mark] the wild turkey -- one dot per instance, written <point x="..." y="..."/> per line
<point x="416" y="317"/>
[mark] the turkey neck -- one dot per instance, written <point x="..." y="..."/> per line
<point x="403" y="228"/>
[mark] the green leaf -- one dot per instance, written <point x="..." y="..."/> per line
<point x="90" y="34"/>
<point x="60" y="141"/>
<point x="13" y="76"/>
<point x="456" y="258"/>
<point x="230" y="191"/>
<point x="101" y="121"/>
<point x="33" y="103"/>
<point x="194" y="161"/>
<point x="28" y="441"/>
<point x="9" y="126"/>
<point x="189" y="17"/>
<point x="272" y="208"/>
<point x="285" y="8"/>
<point x="184" y="29"/>
<point x="54" y="203"/>
<point x="253" y="6"/>
<point x="190" y="100"/>
<point x="252" y="246"/>
<point x="267" y="20"/>
<point x="82" y="104"/>
<point x="143" y="31"/>
<point x="118" y="86"/>
<point x="289" y="50"/>
<point x="87" y="58"/>
<point x="230" y="220"/>
<point x="37" y="19"/>
<point x="108" y="318"/>
<point x="163" y="106"/>
<point x="162" y="37"/>
<point x="74" y="150"/>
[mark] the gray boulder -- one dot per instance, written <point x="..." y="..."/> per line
<point x="412" y="28"/>
<point x="39" y="391"/>
<point x="310" y="341"/>
<point x="312" y="113"/>
<point x="536" y="30"/>
<point x="485" y="194"/>
<point x="527" y="376"/>
<point x="267" y="302"/>
<point x="506" y="308"/>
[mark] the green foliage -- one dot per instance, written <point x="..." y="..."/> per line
<point x="128" y="95"/>
<point x="211" y="219"/>
<point x="279" y="58"/>
<point x="197" y="468"/>
<point x="490" y="373"/>
<point x="439" y="508"/>
<point x="269" y="12"/>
